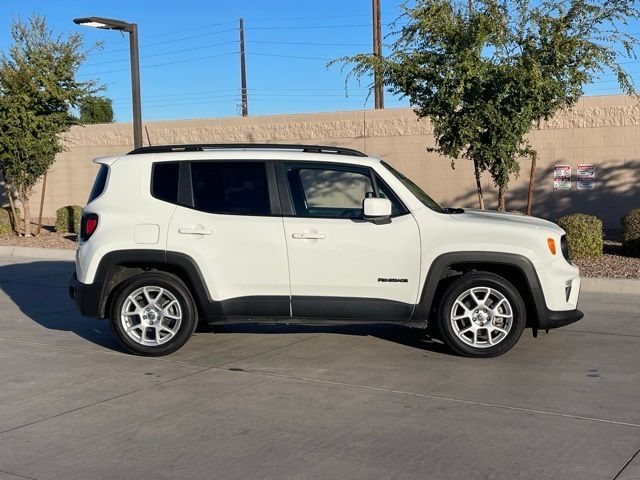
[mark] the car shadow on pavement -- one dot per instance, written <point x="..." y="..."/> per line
<point x="39" y="289"/>
<point x="410" y="337"/>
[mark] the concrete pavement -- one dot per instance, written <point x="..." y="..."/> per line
<point x="293" y="402"/>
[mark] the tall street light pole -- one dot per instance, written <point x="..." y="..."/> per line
<point x="132" y="30"/>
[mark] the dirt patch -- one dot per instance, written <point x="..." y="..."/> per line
<point x="48" y="237"/>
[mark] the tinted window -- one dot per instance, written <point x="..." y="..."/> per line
<point x="230" y="187"/>
<point x="99" y="183"/>
<point x="165" y="181"/>
<point x="328" y="193"/>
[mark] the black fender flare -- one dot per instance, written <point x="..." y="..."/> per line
<point x="96" y="295"/>
<point x="443" y="262"/>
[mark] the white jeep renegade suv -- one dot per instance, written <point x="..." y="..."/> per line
<point x="306" y="234"/>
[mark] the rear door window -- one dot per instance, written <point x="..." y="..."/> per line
<point x="237" y="188"/>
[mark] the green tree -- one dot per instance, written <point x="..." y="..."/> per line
<point x="96" y="110"/>
<point x="485" y="72"/>
<point x="37" y="91"/>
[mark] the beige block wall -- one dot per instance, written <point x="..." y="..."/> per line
<point x="600" y="130"/>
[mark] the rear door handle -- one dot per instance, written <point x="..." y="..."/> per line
<point x="194" y="231"/>
<point x="309" y="236"/>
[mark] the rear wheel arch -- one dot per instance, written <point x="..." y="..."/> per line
<point x="117" y="267"/>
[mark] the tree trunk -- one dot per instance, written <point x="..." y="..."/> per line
<point x="27" y="214"/>
<point x="501" y="200"/>
<point x="478" y="185"/>
<point x="15" y="217"/>
<point x="532" y="181"/>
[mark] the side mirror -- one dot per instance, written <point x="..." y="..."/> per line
<point x="377" y="209"/>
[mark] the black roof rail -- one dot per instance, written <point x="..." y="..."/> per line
<point x="201" y="147"/>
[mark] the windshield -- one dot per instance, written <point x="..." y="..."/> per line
<point x="426" y="200"/>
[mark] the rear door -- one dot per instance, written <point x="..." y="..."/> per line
<point x="341" y="265"/>
<point x="229" y="223"/>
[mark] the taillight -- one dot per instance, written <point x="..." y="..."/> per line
<point x="88" y="225"/>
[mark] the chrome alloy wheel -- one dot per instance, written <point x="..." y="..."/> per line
<point x="481" y="317"/>
<point x="151" y="316"/>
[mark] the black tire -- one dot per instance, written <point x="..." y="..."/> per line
<point x="481" y="280"/>
<point x="188" y="310"/>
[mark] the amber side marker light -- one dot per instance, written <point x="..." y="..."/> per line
<point x="552" y="245"/>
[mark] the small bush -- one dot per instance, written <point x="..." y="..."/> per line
<point x="631" y="232"/>
<point x="68" y="219"/>
<point x="7" y="222"/>
<point x="584" y="235"/>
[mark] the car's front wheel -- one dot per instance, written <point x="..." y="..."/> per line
<point x="481" y="315"/>
<point x="153" y="314"/>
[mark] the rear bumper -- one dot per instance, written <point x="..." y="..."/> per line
<point x="85" y="296"/>
<point x="558" y="318"/>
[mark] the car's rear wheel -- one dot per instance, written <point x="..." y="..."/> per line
<point x="481" y="315"/>
<point x="153" y="314"/>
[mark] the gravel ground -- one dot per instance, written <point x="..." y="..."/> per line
<point x="613" y="264"/>
<point x="48" y="238"/>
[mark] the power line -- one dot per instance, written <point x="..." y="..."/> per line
<point x="169" y="41"/>
<point x="164" y="53"/>
<point x="260" y="54"/>
<point x="160" y="64"/>
<point x="309" y="27"/>
<point x="313" y="43"/>
<point x="252" y="91"/>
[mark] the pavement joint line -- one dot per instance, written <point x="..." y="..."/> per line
<point x="601" y="333"/>
<point x="627" y="463"/>
<point x="206" y="367"/>
<point x="29" y="284"/>
<point x="312" y="380"/>
<point x="17" y="475"/>
<point x="105" y="400"/>
<point x="441" y="398"/>
<point x="266" y="351"/>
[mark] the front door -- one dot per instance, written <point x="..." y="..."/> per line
<point x="234" y="236"/>
<point x="340" y="265"/>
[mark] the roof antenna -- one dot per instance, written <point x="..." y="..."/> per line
<point x="148" y="139"/>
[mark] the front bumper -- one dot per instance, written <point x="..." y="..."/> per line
<point x="558" y="318"/>
<point x="86" y="297"/>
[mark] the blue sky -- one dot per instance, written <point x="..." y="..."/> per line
<point x="190" y="61"/>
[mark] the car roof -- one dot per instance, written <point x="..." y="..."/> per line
<point x="233" y="152"/>
<point x="200" y="147"/>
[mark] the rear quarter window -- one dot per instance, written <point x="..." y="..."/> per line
<point x="99" y="183"/>
<point x="164" y="181"/>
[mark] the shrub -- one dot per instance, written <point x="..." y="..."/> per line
<point x="584" y="235"/>
<point x="631" y="232"/>
<point x="68" y="219"/>
<point x="7" y="222"/>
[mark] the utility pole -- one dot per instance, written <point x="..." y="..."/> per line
<point x="243" y="71"/>
<point x="377" y="51"/>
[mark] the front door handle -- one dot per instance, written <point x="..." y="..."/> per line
<point x="309" y="236"/>
<point x="194" y="231"/>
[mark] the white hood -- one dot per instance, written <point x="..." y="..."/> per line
<point x="500" y="218"/>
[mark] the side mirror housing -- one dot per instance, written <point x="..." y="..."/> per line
<point x="376" y="209"/>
